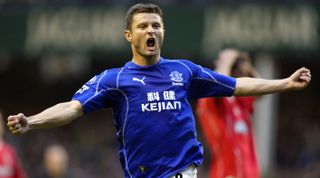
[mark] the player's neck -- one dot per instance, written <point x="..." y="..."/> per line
<point x="146" y="61"/>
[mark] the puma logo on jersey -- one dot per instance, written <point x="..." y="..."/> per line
<point x="139" y="80"/>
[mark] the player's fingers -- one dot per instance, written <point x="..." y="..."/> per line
<point x="13" y="129"/>
<point x="12" y="120"/>
<point x="13" y="126"/>
<point x="303" y="70"/>
<point x="306" y="74"/>
<point x="305" y="78"/>
<point x="20" y="116"/>
<point x="16" y="129"/>
<point x="15" y="118"/>
<point x="300" y="71"/>
<point x="16" y="132"/>
<point x="17" y="126"/>
<point x="10" y="123"/>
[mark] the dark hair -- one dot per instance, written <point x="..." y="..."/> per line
<point x="141" y="8"/>
<point x="242" y="65"/>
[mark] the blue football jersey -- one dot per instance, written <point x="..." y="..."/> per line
<point x="152" y="115"/>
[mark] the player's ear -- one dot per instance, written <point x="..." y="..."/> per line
<point x="128" y="35"/>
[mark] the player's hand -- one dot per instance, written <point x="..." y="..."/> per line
<point x="18" y="124"/>
<point x="300" y="79"/>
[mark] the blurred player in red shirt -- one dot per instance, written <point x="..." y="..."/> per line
<point x="10" y="166"/>
<point x="226" y="123"/>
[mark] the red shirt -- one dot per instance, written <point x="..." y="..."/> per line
<point x="10" y="166"/>
<point x="227" y="127"/>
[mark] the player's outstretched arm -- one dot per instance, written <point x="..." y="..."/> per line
<point x="54" y="116"/>
<point x="252" y="86"/>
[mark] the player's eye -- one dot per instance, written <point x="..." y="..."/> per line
<point x="142" y="26"/>
<point x="156" y="26"/>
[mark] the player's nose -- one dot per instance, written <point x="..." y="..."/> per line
<point x="150" y="30"/>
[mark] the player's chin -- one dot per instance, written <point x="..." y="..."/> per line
<point x="150" y="53"/>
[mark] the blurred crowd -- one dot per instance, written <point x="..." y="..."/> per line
<point x="85" y="149"/>
<point x="298" y="143"/>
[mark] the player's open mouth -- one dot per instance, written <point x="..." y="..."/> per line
<point x="151" y="42"/>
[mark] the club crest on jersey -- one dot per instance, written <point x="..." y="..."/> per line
<point x="176" y="78"/>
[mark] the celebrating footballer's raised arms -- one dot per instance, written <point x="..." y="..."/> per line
<point x="254" y="86"/>
<point x="54" y="116"/>
<point x="150" y="97"/>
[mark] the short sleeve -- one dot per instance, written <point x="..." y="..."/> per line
<point x="206" y="83"/>
<point x="94" y="94"/>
